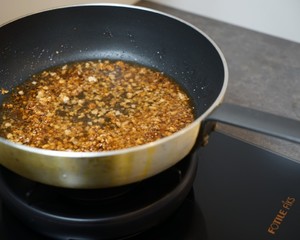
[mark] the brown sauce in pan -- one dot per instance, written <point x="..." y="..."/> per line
<point x="94" y="106"/>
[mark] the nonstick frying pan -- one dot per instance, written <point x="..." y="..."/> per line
<point x="117" y="32"/>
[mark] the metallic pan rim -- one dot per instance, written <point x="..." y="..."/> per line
<point x="197" y="121"/>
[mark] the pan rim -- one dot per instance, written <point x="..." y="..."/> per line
<point x="197" y="121"/>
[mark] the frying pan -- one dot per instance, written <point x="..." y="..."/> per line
<point x="118" y="32"/>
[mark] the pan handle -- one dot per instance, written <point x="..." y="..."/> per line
<point x="258" y="121"/>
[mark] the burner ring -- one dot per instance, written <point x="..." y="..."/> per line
<point x="108" y="214"/>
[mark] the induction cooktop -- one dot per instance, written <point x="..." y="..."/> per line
<point x="240" y="191"/>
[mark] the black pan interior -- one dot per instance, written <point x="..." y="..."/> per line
<point x="55" y="37"/>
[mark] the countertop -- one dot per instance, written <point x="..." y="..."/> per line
<point x="264" y="74"/>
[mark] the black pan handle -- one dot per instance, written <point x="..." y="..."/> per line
<point x="258" y="121"/>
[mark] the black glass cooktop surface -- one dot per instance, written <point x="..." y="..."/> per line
<point x="240" y="192"/>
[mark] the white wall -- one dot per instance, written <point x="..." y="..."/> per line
<point x="12" y="9"/>
<point x="280" y="18"/>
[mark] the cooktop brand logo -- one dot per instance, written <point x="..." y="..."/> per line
<point x="281" y="215"/>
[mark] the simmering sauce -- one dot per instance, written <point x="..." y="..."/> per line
<point x="94" y="106"/>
